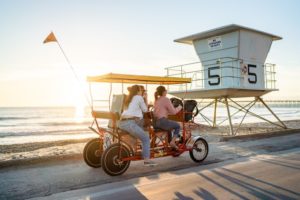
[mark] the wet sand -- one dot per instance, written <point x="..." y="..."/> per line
<point x="19" y="154"/>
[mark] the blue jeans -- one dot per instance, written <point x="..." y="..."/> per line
<point x="135" y="128"/>
<point x="168" y="125"/>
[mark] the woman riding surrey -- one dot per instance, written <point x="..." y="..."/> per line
<point x="132" y="120"/>
<point x="162" y="108"/>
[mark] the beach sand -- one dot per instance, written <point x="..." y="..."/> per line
<point x="18" y="154"/>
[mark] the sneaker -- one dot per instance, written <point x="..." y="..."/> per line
<point x="149" y="163"/>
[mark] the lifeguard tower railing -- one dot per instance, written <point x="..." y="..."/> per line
<point x="225" y="70"/>
<point x="221" y="75"/>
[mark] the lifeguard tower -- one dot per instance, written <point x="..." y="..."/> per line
<point x="232" y="65"/>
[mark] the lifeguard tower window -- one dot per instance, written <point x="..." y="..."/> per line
<point x="232" y="58"/>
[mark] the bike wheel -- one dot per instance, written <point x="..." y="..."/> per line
<point x="110" y="161"/>
<point x="92" y="153"/>
<point x="199" y="151"/>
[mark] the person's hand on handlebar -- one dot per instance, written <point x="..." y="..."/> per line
<point x="179" y="107"/>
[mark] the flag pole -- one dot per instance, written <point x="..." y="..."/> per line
<point x="52" y="38"/>
<point x="75" y="74"/>
<point x="68" y="61"/>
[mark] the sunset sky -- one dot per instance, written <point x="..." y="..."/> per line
<point x="132" y="36"/>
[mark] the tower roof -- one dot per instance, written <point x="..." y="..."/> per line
<point x="219" y="31"/>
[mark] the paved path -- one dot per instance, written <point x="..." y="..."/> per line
<point x="48" y="178"/>
<point x="256" y="177"/>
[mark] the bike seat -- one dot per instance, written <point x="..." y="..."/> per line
<point x="123" y="132"/>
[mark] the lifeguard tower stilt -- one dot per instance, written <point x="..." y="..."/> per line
<point x="232" y="65"/>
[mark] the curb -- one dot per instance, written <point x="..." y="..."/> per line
<point x="260" y="135"/>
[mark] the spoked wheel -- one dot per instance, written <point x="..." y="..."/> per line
<point x="111" y="163"/>
<point x="199" y="151"/>
<point x="92" y="153"/>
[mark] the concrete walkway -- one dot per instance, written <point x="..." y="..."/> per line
<point x="44" y="179"/>
<point x="255" y="177"/>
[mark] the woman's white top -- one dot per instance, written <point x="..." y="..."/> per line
<point x="136" y="107"/>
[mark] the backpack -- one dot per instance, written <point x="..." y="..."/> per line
<point x="189" y="106"/>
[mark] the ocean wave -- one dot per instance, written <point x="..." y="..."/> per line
<point x="70" y="123"/>
<point x="12" y="118"/>
<point x="51" y="122"/>
<point x="43" y="132"/>
<point x="44" y="138"/>
<point x="9" y="125"/>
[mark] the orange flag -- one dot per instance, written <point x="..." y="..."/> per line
<point x="50" y="38"/>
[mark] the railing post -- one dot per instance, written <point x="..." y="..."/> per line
<point x="274" y="72"/>
<point x="265" y="76"/>
<point x="168" y="76"/>
<point x="181" y="71"/>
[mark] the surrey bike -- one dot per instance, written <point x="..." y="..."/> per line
<point x="114" y="149"/>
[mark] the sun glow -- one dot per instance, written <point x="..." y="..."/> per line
<point x="79" y="111"/>
<point x="79" y="104"/>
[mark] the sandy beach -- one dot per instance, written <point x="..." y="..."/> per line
<point x="19" y="154"/>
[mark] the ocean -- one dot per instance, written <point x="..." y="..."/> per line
<point x="42" y="124"/>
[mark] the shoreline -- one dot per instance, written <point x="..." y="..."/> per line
<point x="17" y="148"/>
<point x="38" y="152"/>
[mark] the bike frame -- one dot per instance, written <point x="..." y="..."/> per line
<point x="116" y="133"/>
